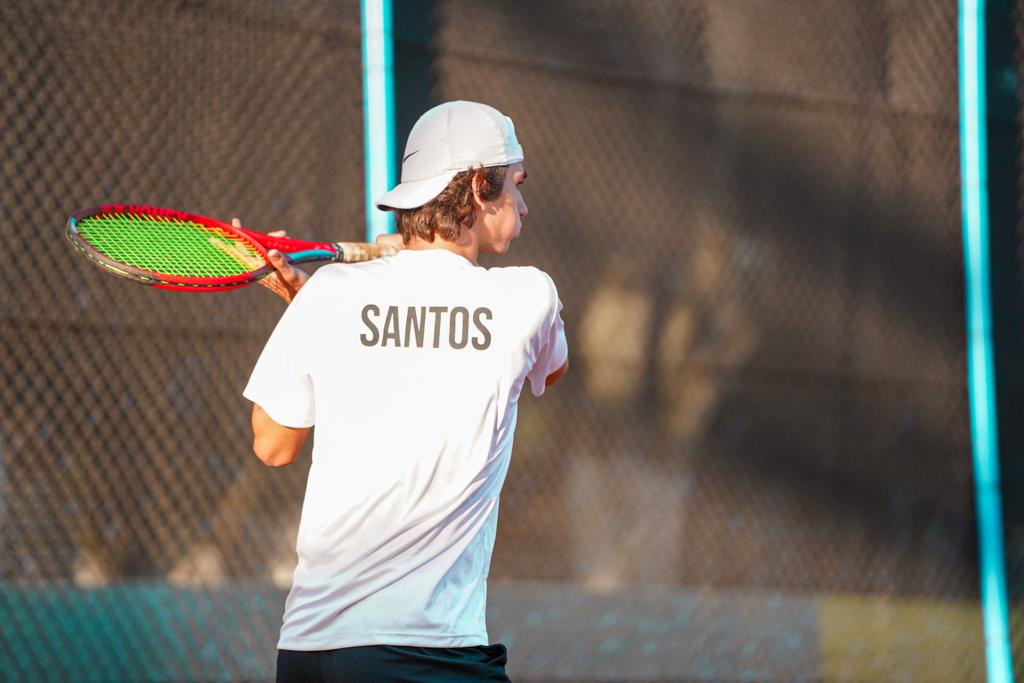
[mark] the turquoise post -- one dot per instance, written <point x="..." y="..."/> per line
<point x="378" y="112"/>
<point x="980" y="364"/>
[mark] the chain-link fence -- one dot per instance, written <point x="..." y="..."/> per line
<point x="124" y="439"/>
<point x="757" y="469"/>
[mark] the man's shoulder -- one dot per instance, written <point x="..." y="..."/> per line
<point x="329" y="282"/>
<point x="517" y="282"/>
<point x="527" y="289"/>
<point x="524" y="276"/>
<point x="335" y="273"/>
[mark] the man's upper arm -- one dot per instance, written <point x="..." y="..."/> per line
<point x="557" y="374"/>
<point x="274" y="443"/>
<point x="281" y="384"/>
<point x="551" y="359"/>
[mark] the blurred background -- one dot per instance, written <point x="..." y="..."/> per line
<point x="758" y="468"/>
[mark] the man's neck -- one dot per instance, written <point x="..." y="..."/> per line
<point x="465" y="246"/>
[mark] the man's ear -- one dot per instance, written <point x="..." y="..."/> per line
<point x="475" y="183"/>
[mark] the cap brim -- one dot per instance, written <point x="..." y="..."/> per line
<point x="414" y="194"/>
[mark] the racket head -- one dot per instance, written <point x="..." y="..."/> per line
<point x="167" y="249"/>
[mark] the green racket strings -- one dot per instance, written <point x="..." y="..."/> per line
<point x="170" y="246"/>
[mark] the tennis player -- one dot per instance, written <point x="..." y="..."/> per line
<point x="411" y="368"/>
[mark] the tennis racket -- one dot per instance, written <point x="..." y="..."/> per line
<point x="171" y="249"/>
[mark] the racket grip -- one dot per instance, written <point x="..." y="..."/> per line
<point x="353" y="252"/>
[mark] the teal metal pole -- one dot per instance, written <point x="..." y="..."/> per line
<point x="378" y="112"/>
<point x="980" y="364"/>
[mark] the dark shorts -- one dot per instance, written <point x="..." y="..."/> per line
<point x="394" y="664"/>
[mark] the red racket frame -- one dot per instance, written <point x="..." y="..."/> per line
<point x="261" y="242"/>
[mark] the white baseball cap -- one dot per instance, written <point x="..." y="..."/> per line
<point x="448" y="139"/>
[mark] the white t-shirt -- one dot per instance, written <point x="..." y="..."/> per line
<point x="411" y="368"/>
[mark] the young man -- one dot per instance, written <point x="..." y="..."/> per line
<point x="411" y="368"/>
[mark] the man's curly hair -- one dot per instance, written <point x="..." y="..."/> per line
<point x="449" y="212"/>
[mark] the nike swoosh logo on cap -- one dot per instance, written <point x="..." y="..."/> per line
<point x="409" y="155"/>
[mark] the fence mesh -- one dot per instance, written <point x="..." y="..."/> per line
<point x="751" y="209"/>
<point x="123" y="436"/>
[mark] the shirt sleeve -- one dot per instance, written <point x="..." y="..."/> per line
<point x="281" y="383"/>
<point x="548" y="344"/>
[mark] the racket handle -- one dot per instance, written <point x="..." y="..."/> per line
<point x="353" y="252"/>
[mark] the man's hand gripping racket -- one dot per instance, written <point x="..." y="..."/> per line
<point x="171" y="249"/>
<point x="287" y="280"/>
